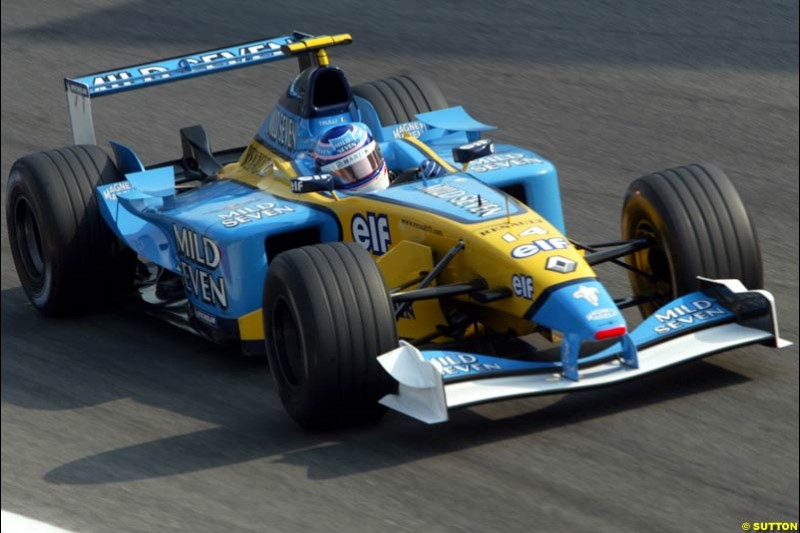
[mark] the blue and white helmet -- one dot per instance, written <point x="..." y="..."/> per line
<point x="353" y="157"/>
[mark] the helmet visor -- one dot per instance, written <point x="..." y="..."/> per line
<point x="357" y="166"/>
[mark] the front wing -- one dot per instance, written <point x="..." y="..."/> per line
<point x="723" y="316"/>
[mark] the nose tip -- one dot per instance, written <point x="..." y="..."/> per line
<point x="610" y="333"/>
<point x="583" y="309"/>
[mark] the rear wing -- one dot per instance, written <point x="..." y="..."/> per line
<point x="308" y="49"/>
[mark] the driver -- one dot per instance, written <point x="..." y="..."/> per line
<point x="353" y="157"/>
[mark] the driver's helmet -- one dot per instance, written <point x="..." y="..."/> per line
<point x="353" y="157"/>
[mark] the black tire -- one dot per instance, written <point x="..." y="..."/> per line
<point x="67" y="258"/>
<point x="327" y="316"/>
<point x="700" y="227"/>
<point x="399" y="99"/>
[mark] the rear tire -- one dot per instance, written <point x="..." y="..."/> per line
<point x="67" y="258"/>
<point x="700" y="227"/>
<point x="397" y="100"/>
<point x="327" y="316"/>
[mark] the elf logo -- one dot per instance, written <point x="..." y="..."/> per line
<point x="539" y="245"/>
<point x="523" y="286"/>
<point x="372" y="232"/>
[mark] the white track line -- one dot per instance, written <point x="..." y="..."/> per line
<point x="14" y="523"/>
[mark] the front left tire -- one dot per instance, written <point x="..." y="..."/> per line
<point x="698" y="225"/>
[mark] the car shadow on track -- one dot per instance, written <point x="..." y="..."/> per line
<point x="83" y="362"/>
<point x="395" y="442"/>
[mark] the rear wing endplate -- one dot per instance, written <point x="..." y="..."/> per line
<point x="308" y="49"/>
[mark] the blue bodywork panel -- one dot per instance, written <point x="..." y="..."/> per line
<point x="127" y="160"/>
<point x="453" y="119"/>
<point x="690" y="312"/>
<point x="509" y="167"/>
<point x="215" y="236"/>
<point x="292" y="136"/>
<point x="434" y="196"/>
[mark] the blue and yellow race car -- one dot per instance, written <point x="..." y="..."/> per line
<point x="421" y="296"/>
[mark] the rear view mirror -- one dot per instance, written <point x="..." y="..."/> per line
<point x="469" y="152"/>
<point x="315" y="183"/>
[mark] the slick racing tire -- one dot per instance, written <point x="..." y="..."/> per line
<point x="699" y="227"/>
<point x="327" y="316"/>
<point x="67" y="258"/>
<point x="397" y="100"/>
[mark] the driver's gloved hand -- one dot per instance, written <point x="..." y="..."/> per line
<point x="431" y="169"/>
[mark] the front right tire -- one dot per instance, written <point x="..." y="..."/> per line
<point x="327" y="317"/>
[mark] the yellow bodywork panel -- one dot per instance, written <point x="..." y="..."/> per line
<point x="404" y="262"/>
<point x="425" y="149"/>
<point x="251" y="326"/>
<point x="260" y="167"/>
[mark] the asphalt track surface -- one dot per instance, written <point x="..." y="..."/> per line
<point x="121" y="423"/>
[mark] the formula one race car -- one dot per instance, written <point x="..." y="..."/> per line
<point x="413" y="297"/>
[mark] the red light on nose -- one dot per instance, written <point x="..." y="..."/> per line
<point x="610" y="333"/>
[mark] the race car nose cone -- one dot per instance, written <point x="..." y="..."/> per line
<point x="582" y="308"/>
<point x="583" y="311"/>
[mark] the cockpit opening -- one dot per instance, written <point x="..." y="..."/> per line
<point x="330" y="89"/>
